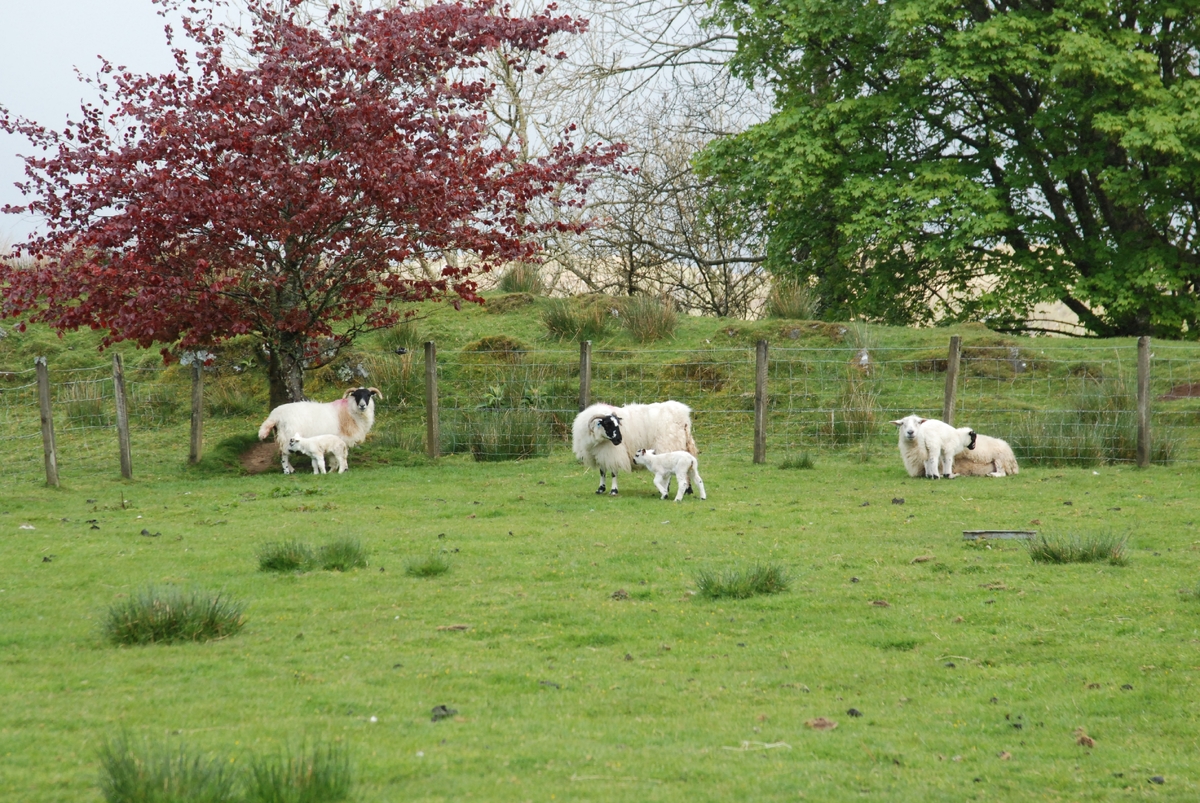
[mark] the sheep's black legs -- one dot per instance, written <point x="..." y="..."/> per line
<point x="601" y="489"/>
<point x="613" y="492"/>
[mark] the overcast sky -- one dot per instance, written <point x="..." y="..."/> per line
<point x="45" y="40"/>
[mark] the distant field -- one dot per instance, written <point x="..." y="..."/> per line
<point x="972" y="681"/>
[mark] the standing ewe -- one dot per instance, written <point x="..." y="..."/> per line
<point x="350" y="418"/>
<point x="928" y="446"/>
<point x="606" y="437"/>
<point x="664" y="465"/>
<point x="991" y="457"/>
<point x="316" y="448"/>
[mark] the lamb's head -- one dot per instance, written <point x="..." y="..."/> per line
<point x="293" y="444"/>
<point x="908" y="427"/>
<point x="607" y="427"/>
<point x="640" y="455"/>
<point x="362" y="397"/>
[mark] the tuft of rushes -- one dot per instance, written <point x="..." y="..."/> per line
<point x="286" y="556"/>
<point x="793" y="300"/>
<point x="566" y="320"/>
<point x="430" y="566"/>
<point x="1109" y="549"/>
<point x="522" y="277"/>
<point x="342" y="555"/>
<point x="649" y="319"/>
<point x="742" y="584"/>
<point x="145" y="774"/>
<point x="319" y="775"/>
<point x="803" y="461"/>
<point x="170" y="615"/>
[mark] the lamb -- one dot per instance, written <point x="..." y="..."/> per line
<point x="606" y="437"/>
<point x="991" y="457"/>
<point x="664" y="465"/>
<point x="928" y="446"/>
<point x="316" y="447"/>
<point x="350" y="418"/>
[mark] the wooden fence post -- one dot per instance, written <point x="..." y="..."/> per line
<point x="433" y="445"/>
<point x="760" y="402"/>
<point x="51" y="454"/>
<point x="585" y="374"/>
<point x="197" y="446"/>
<point x="1143" y="402"/>
<point x="122" y="417"/>
<point x="952" y="360"/>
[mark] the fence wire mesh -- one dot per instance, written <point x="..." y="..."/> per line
<point x="1057" y="402"/>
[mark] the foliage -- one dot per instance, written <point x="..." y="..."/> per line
<point x="169" y="615"/>
<point x="511" y="434"/>
<point x="286" y="556"/>
<point x="742" y="583"/>
<point x="522" y="277"/>
<point x="793" y="300"/>
<point x="567" y="319"/>
<point x="342" y="555"/>
<point x="132" y="773"/>
<point x="318" y="775"/>
<point x="275" y="194"/>
<point x="803" y="461"/>
<point x="429" y="566"/>
<point x="1109" y="549"/>
<point x="649" y="319"/>
<point x="930" y="159"/>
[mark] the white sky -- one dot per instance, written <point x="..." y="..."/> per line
<point x="44" y="41"/>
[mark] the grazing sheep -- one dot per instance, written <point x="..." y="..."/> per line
<point x="928" y="446"/>
<point x="991" y="457"/>
<point x="316" y="448"/>
<point x="350" y="418"/>
<point x="606" y="437"/>
<point x="664" y="465"/>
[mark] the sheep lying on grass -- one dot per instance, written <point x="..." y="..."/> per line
<point x="678" y="464"/>
<point x="316" y="448"/>
<point x="991" y="457"/>
<point x="928" y="446"/>
<point x="350" y="418"/>
<point x="606" y="437"/>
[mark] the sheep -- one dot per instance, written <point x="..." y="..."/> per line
<point x="316" y="448"/>
<point x="991" y="457"/>
<point x="664" y="465"/>
<point x="606" y="437"/>
<point x="928" y="446"/>
<point x="350" y="418"/>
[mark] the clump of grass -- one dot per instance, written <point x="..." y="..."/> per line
<point x="853" y="415"/>
<point x="708" y="370"/>
<point x="319" y="775"/>
<point x="342" y="555"/>
<point x="522" y="277"/>
<point x="567" y="320"/>
<point x="286" y="556"/>
<point x="232" y="396"/>
<point x="649" y="319"/>
<point x="498" y="347"/>
<point x="742" y="584"/>
<point x="405" y="334"/>
<point x="430" y="566"/>
<point x="1109" y="549"/>
<point x="507" y="435"/>
<point x="87" y="404"/>
<point x="144" y="774"/>
<point x="803" y="461"/>
<point x="793" y="300"/>
<point x="170" y="615"/>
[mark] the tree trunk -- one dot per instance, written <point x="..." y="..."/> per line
<point x="285" y="369"/>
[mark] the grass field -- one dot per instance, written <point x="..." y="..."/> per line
<point x="972" y="680"/>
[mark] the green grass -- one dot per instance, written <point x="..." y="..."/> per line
<point x="342" y="555"/>
<point x="1110" y="549"/>
<point x="286" y="556"/>
<point x="802" y="462"/>
<point x="146" y="773"/>
<point x="742" y="583"/>
<point x="170" y="615"/>
<point x="429" y="566"/>
<point x="320" y="774"/>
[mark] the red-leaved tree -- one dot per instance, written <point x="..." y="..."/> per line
<point x="273" y="189"/>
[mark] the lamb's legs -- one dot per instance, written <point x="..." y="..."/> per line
<point x="681" y="479"/>
<point x="699" y="482"/>
<point x="663" y="483"/>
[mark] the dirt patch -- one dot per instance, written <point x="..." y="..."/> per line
<point x="1188" y="391"/>
<point x="260" y="457"/>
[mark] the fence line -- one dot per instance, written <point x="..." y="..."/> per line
<point x="1056" y="402"/>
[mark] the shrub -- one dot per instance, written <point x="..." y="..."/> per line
<point x="170" y="615"/>
<point x="430" y="566"/>
<point x="286" y="556"/>
<point x="790" y="299"/>
<point x="342" y="555"/>
<point x="649" y="319"/>
<point x="758" y="579"/>
<point x="146" y="774"/>
<point x="319" y="775"/>
<point x="1109" y="549"/>
<point x="522" y="277"/>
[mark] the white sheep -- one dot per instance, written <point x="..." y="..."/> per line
<point x="678" y="464"/>
<point x="928" y="446"/>
<point x="316" y="448"/>
<point x="350" y="418"/>
<point x="606" y="437"/>
<point x="991" y="457"/>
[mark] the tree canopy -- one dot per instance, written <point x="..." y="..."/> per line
<point x="274" y="182"/>
<point x="931" y="158"/>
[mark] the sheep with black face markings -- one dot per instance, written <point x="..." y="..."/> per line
<point x="991" y="457"/>
<point x="606" y="437"/>
<point x="350" y="418"/>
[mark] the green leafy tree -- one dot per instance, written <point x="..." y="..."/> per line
<point x="976" y="158"/>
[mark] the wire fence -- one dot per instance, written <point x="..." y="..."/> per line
<point x="1057" y="402"/>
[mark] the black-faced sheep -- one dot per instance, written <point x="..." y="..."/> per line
<point x="991" y="457"/>
<point x="928" y="446"/>
<point x="350" y="418"/>
<point x="606" y="437"/>
<point x="668" y="464"/>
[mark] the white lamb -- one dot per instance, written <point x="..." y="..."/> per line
<point x="350" y="418"/>
<point x="991" y="457"/>
<point x="606" y="437"/>
<point x="928" y="446"/>
<point x="664" y="465"/>
<point x="316" y="447"/>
